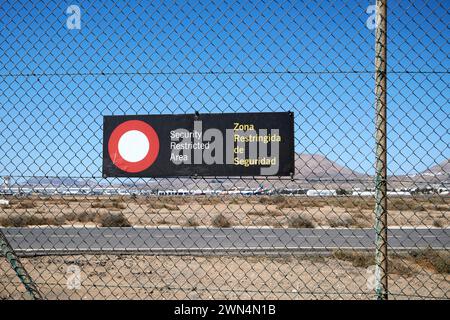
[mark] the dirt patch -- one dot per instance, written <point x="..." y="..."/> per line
<point x="216" y="277"/>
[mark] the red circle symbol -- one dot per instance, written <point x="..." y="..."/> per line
<point x="133" y="146"/>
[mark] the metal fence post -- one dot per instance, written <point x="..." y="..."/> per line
<point x="381" y="258"/>
<point x="7" y="251"/>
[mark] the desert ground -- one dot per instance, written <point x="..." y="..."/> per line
<point x="341" y="275"/>
<point x="222" y="211"/>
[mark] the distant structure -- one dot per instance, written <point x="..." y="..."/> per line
<point x="321" y="193"/>
<point x="6" y="180"/>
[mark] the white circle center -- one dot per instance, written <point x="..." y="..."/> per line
<point x="133" y="146"/>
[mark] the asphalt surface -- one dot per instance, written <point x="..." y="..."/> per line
<point x="46" y="240"/>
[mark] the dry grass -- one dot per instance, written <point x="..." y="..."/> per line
<point x="266" y="212"/>
<point x="112" y="204"/>
<point x="358" y="259"/>
<point x="113" y="220"/>
<point x="437" y="223"/>
<point x="164" y="221"/>
<point x="300" y="221"/>
<point x="207" y="201"/>
<point x="416" y="204"/>
<point x="104" y="219"/>
<point x="221" y="221"/>
<point x="438" y="261"/>
<point x="157" y="205"/>
<point x="191" y="222"/>
<point x="342" y="221"/>
<point x="365" y="259"/>
<point x="352" y="212"/>
<point x="86" y="216"/>
<point x="406" y="204"/>
<point x="440" y="208"/>
<point x="24" y="220"/>
<point x="26" y="204"/>
<point x="401" y="264"/>
<point x="272" y="200"/>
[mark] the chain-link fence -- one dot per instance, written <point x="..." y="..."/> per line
<point x="68" y="232"/>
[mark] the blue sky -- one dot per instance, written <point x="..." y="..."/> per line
<point x="315" y="58"/>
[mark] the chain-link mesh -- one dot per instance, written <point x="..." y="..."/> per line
<point x="63" y="66"/>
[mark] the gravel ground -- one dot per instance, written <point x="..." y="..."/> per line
<point x="218" y="277"/>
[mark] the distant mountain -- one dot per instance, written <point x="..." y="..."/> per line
<point x="440" y="169"/>
<point x="437" y="174"/>
<point x="316" y="166"/>
<point x="311" y="170"/>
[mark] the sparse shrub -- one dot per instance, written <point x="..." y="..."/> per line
<point x="191" y="222"/>
<point x="406" y="205"/>
<point x="208" y="200"/>
<point x="114" y="204"/>
<point x="265" y="212"/>
<point x="23" y="220"/>
<point x="344" y="220"/>
<point x="255" y="213"/>
<point x="300" y="222"/>
<point x="160" y="205"/>
<point x="120" y="205"/>
<point x="12" y="221"/>
<point x="86" y="216"/>
<point x="287" y="204"/>
<point x="432" y="259"/>
<point x="26" y="204"/>
<point x="60" y="219"/>
<point x="235" y="200"/>
<point x="164" y="221"/>
<point x="313" y="202"/>
<point x="419" y="207"/>
<point x="113" y="220"/>
<point x="358" y="259"/>
<point x="367" y="259"/>
<point x="357" y="214"/>
<point x="221" y="221"/>
<point x="171" y="207"/>
<point x="278" y="199"/>
<point x="397" y="266"/>
<point x="264" y="200"/>
<point x="175" y="200"/>
<point x="98" y="204"/>
<point x="437" y="223"/>
<point x="70" y="216"/>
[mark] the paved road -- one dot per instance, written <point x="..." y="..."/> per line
<point x="167" y="240"/>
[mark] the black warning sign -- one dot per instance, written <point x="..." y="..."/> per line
<point x="225" y="144"/>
